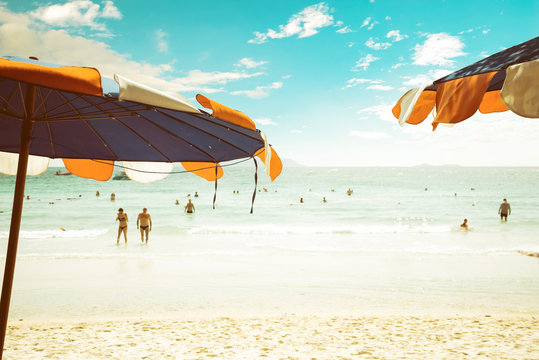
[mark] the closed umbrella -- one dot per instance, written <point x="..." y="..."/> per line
<point x="507" y="80"/>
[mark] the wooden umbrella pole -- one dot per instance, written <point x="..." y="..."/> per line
<point x="16" y="213"/>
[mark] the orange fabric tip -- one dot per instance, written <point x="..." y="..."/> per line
<point x="70" y="78"/>
<point x="422" y="107"/>
<point x="100" y="170"/>
<point x="458" y="99"/>
<point x="276" y="165"/>
<point x="226" y="113"/>
<point x="205" y="170"/>
<point x="492" y="102"/>
<point x="397" y="108"/>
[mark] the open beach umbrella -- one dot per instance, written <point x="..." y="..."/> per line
<point x="507" y="80"/>
<point x="73" y="113"/>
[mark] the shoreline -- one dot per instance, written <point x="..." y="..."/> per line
<point x="321" y="337"/>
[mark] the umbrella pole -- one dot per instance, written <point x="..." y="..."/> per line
<point x="16" y="213"/>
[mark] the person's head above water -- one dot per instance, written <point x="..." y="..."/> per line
<point x="120" y="210"/>
<point x="465" y="221"/>
<point x="144" y="210"/>
<point x="504" y="200"/>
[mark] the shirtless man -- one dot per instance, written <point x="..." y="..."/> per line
<point x="190" y="207"/>
<point x="122" y="218"/>
<point x="145" y="221"/>
<point x="504" y="210"/>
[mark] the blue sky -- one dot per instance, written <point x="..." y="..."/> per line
<point x="319" y="78"/>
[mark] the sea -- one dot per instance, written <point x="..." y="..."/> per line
<point x="391" y="246"/>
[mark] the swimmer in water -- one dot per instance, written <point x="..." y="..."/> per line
<point x="190" y="207"/>
<point x="97" y="193"/>
<point x="504" y="210"/>
<point x="145" y="227"/>
<point x="196" y="194"/>
<point x="112" y="197"/>
<point x="301" y="200"/>
<point x="123" y="219"/>
<point x="324" y="200"/>
<point x="464" y="225"/>
<point x="177" y="202"/>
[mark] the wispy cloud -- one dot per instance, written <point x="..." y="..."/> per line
<point x="161" y="38"/>
<point x="365" y="62"/>
<point x="424" y="79"/>
<point x="366" y="21"/>
<point x="438" y="49"/>
<point x="264" y="122"/>
<point x="376" y="45"/>
<point x="296" y="131"/>
<point x="345" y="30"/>
<point x="369" y="135"/>
<point x="259" y="91"/>
<point x="249" y="63"/>
<point x="396" y="35"/>
<point x="358" y="81"/>
<point x="369" y="22"/>
<point x="303" y="24"/>
<point x="380" y="87"/>
<point x="77" y="13"/>
<point x="379" y="112"/>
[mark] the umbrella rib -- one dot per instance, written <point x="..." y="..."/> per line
<point x="175" y="136"/>
<point x="205" y="132"/>
<point x="43" y="99"/>
<point x="226" y="127"/>
<point x="8" y="103"/>
<point x="52" y="142"/>
<point x="133" y="131"/>
<point x="100" y="139"/>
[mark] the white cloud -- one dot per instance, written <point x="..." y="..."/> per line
<point x="485" y="31"/>
<point x="369" y="135"/>
<point x="379" y="112"/>
<point x="249" y="63"/>
<point x="259" y="91"/>
<point x="345" y="30"/>
<point x="396" y="35"/>
<point x="388" y="17"/>
<point x="303" y="24"/>
<point x="372" y="25"/>
<point x="365" y="61"/>
<point x="358" y="81"/>
<point x="366" y="21"/>
<point x="110" y="11"/>
<point x="264" y="121"/>
<point x="162" y="44"/>
<point x="423" y="79"/>
<point x="19" y="33"/>
<point x="465" y="31"/>
<point x="380" y="87"/>
<point x="438" y="49"/>
<point x="77" y="13"/>
<point x="199" y="77"/>
<point x="377" y="45"/>
<point x="295" y="131"/>
<point x="398" y="65"/>
<point x="350" y="44"/>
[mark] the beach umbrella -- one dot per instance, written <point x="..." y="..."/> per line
<point x="91" y="122"/>
<point x="507" y="80"/>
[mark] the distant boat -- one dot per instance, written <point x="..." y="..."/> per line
<point x="121" y="176"/>
<point x="62" y="173"/>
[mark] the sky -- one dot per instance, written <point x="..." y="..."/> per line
<point x="320" y="78"/>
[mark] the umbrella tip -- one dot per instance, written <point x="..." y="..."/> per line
<point x="33" y="57"/>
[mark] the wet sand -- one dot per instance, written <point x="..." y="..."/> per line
<point x="286" y="337"/>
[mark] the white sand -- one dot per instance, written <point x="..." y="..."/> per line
<point x="288" y="337"/>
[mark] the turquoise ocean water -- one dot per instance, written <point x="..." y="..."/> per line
<point x="394" y="245"/>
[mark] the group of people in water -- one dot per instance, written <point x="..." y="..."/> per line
<point x="504" y="211"/>
<point x="144" y="221"/>
<point x="144" y="224"/>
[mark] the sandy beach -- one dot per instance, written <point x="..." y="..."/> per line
<point x="288" y="337"/>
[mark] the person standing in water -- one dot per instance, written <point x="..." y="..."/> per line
<point x="190" y="207"/>
<point x="504" y="210"/>
<point x="145" y="221"/>
<point x="464" y="225"/>
<point x="122" y="218"/>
